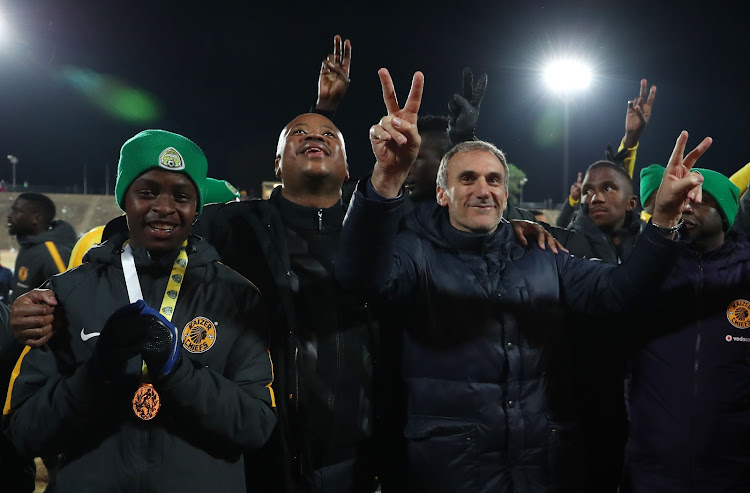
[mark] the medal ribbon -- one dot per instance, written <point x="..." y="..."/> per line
<point x="173" y="286"/>
<point x="167" y="306"/>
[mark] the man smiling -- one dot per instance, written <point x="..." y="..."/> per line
<point x="480" y="359"/>
<point x="132" y="397"/>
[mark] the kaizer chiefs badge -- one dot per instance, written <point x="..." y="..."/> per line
<point x="738" y="314"/>
<point x="199" y="335"/>
<point x="23" y="273"/>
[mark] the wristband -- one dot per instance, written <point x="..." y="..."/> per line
<point x="668" y="231"/>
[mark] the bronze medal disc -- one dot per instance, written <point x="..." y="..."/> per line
<point x="146" y="402"/>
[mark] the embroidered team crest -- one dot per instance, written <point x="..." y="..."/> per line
<point x="23" y="273"/>
<point x="738" y="314"/>
<point x="171" y="159"/>
<point x="199" y="335"/>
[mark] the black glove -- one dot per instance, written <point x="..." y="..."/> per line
<point x="464" y="108"/>
<point x="617" y="158"/>
<point x="161" y="344"/>
<point x="119" y="340"/>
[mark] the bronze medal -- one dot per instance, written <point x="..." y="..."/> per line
<point x="146" y="402"/>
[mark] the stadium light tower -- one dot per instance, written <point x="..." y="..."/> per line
<point x="565" y="77"/>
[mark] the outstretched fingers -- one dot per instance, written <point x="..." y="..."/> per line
<point x="693" y="156"/>
<point x="389" y="92"/>
<point x="675" y="160"/>
<point x="414" y="101"/>
<point x="479" y="91"/>
<point x="346" y="59"/>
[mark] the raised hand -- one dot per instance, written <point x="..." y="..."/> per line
<point x="679" y="185"/>
<point x="395" y="139"/>
<point x="638" y="114"/>
<point x="464" y="108"/>
<point x="334" y="75"/>
<point x="575" y="188"/>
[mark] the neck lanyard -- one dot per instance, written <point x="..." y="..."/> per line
<point x="173" y="286"/>
<point x="146" y="402"/>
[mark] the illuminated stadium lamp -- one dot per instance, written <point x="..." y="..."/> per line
<point x="567" y="75"/>
<point x="564" y="77"/>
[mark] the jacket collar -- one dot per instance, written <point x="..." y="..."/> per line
<point x="199" y="252"/>
<point x="301" y="217"/>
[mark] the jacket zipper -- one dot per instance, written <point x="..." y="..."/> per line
<point x="320" y="219"/>
<point x="697" y="348"/>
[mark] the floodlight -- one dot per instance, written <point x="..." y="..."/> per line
<point x="567" y="75"/>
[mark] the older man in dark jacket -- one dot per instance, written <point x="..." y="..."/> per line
<point x="479" y="363"/>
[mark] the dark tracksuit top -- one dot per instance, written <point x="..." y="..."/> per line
<point x="41" y="257"/>
<point x="216" y="404"/>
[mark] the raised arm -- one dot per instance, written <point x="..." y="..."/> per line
<point x="334" y="76"/>
<point x="590" y="287"/>
<point x="395" y="139"/>
<point x="464" y="108"/>
<point x="366" y="258"/>
<point x="637" y="117"/>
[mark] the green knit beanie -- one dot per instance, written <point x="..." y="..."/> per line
<point x="220" y="191"/>
<point x="160" y="149"/>
<point x="650" y="180"/>
<point x="726" y="193"/>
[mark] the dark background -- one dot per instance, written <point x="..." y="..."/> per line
<point x="231" y="74"/>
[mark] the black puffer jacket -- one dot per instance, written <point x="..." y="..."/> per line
<point x="214" y="405"/>
<point x="323" y="343"/>
<point x="488" y="409"/>
<point x="690" y="397"/>
<point x="41" y="257"/>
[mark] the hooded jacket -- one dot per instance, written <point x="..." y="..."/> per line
<point x="690" y="392"/>
<point x="584" y="239"/>
<point x="215" y="404"/>
<point x="487" y="402"/>
<point x="42" y="256"/>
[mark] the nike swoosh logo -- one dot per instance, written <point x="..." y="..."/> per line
<point x="86" y="337"/>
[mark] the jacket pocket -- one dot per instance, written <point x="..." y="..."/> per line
<point x="442" y="454"/>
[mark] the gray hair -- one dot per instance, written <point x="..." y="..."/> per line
<point x="468" y="146"/>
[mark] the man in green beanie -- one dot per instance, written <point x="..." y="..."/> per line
<point x="159" y="379"/>
<point x="689" y="401"/>
<point x="650" y="180"/>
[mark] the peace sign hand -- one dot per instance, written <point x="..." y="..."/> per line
<point x="395" y="139"/>
<point x="679" y="185"/>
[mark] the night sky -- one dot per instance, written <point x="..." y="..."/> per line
<point x="230" y="75"/>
